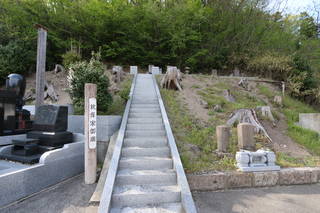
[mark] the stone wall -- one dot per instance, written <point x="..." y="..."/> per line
<point x="106" y="127"/>
<point x="229" y="180"/>
<point x="310" y="121"/>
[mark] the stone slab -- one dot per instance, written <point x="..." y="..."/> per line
<point x="310" y="121"/>
<point x="32" y="109"/>
<point x="239" y="180"/>
<point x="211" y="182"/>
<point x="263" y="179"/>
<point x="294" y="176"/>
<point x="106" y="125"/>
<point x="53" y="167"/>
<point x="7" y="140"/>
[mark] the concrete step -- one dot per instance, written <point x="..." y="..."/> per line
<point x="150" y="142"/>
<point x="144" y="133"/>
<point x="145" y="115"/>
<point x="135" y="106"/>
<point x="138" y="195"/>
<point x="145" y="152"/>
<point x="146" y="163"/>
<point x="145" y="110"/>
<point x="134" y="101"/>
<point x="162" y="208"/>
<point x="138" y="177"/>
<point x="144" y="120"/>
<point x="145" y="127"/>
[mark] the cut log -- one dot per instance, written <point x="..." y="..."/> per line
<point x="266" y="112"/>
<point x="58" y="68"/>
<point x="172" y="78"/>
<point x="50" y="92"/>
<point x="248" y="116"/>
<point x="244" y="83"/>
<point x="228" y="96"/>
<point x="278" y="100"/>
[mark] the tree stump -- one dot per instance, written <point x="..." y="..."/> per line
<point x="223" y="137"/>
<point x="172" y="78"/>
<point x="246" y="136"/>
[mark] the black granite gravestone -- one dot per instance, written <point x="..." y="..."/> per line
<point x="49" y="132"/>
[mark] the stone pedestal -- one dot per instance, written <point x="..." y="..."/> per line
<point x="246" y="136"/>
<point x="223" y="137"/>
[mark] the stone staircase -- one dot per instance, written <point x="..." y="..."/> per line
<point x="146" y="180"/>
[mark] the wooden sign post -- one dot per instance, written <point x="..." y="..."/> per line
<point x="90" y="129"/>
<point x="41" y="64"/>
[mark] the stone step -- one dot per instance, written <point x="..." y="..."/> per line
<point x="144" y="120"/>
<point x="145" y="152"/>
<point x="145" y="115"/>
<point x="138" y="177"/>
<point x="138" y="195"/>
<point x="145" y="127"/>
<point x="134" y="101"/>
<point x="135" y="106"/>
<point x="162" y="208"/>
<point x="145" y="110"/>
<point x="144" y="133"/>
<point x="146" y="142"/>
<point x="146" y="163"/>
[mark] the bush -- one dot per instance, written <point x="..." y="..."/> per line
<point x="69" y="58"/>
<point x="272" y="65"/>
<point x="89" y="72"/>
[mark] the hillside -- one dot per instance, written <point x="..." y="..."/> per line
<point x="194" y="120"/>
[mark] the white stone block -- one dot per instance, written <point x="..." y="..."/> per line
<point x="260" y="160"/>
<point x="133" y="70"/>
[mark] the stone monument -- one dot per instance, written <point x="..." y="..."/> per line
<point x="48" y="133"/>
<point x="133" y="70"/>
<point x="260" y="160"/>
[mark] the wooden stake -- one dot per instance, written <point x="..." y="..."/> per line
<point x="90" y="128"/>
<point x="41" y="65"/>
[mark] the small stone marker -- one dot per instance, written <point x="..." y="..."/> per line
<point x="155" y="70"/>
<point x="236" y="72"/>
<point x="246" y="136"/>
<point x="150" y="68"/>
<point x="214" y="73"/>
<point x="223" y="137"/>
<point x="133" y="70"/>
<point x="260" y="160"/>
<point x="90" y="129"/>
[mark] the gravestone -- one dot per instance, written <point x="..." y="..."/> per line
<point x="223" y="137"/>
<point x="260" y="160"/>
<point x="48" y="133"/>
<point x="246" y="136"/>
<point x="133" y="70"/>
<point x="236" y="72"/>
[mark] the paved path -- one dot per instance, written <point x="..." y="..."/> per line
<point x="70" y="196"/>
<point x="284" y="199"/>
<point x="73" y="195"/>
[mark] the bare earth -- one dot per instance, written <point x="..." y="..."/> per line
<point x="281" y="142"/>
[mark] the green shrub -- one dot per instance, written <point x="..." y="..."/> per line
<point x="89" y="72"/>
<point x="69" y="58"/>
<point x="272" y="65"/>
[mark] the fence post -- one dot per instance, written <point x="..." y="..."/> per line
<point x="90" y="129"/>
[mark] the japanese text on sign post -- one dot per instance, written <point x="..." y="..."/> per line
<point x="92" y="123"/>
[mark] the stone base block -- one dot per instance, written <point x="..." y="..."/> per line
<point x="293" y="176"/>
<point x="207" y="182"/>
<point x="263" y="179"/>
<point x="239" y="180"/>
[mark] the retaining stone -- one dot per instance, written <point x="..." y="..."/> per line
<point x="207" y="181"/>
<point x="239" y="180"/>
<point x="262" y="179"/>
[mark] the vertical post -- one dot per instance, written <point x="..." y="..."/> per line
<point x="41" y="65"/>
<point x="90" y="129"/>
<point x="223" y="138"/>
<point x="246" y="136"/>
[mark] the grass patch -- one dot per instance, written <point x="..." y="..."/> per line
<point x="196" y="142"/>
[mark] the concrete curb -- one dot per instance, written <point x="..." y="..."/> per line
<point x="105" y="200"/>
<point x="231" y="180"/>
